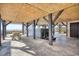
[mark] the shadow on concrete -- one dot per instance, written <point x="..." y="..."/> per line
<point x="5" y="49"/>
<point x="24" y="49"/>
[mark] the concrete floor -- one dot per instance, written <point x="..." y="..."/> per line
<point x="63" y="46"/>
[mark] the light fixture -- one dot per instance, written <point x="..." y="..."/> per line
<point x="36" y="27"/>
<point x="41" y="27"/>
<point x="47" y="27"/>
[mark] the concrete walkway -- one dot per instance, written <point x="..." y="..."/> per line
<point x="63" y="46"/>
<point x="5" y="49"/>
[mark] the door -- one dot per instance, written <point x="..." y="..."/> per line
<point x="78" y="30"/>
<point x="74" y="29"/>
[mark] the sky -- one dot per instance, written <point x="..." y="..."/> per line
<point x="14" y="27"/>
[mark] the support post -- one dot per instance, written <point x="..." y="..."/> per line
<point x="27" y="29"/>
<point x="4" y="24"/>
<point x="44" y="31"/>
<point x="34" y="31"/>
<point x="50" y="29"/>
<point x="0" y="32"/>
<point x="66" y="28"/>
<point x="59" y="28"/>
<point x="53" y="28"/>
<point x="37" y="21"/>
<point x="3" y="30"/>
<point x="45" y="26"/>
<point x="23" y="28"/>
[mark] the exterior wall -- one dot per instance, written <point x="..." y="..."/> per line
<point x="38" y="31"/>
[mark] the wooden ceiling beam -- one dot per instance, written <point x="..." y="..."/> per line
<point x="56" y="24"/>
<point x="37" y="21"/>
<point x="57" y="16"/>
<point x="37" y="8"/>
<point x="45" y="19"/>
<point x="64" y="24"/>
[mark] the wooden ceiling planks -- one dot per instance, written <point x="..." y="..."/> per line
<point x="70" y="14"/>
<point x="52" y="7"/>
<point x="10" y="11"/>
<point x="28" y="12"/>
<point x="20" y="12"/>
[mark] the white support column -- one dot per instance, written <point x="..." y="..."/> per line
<point x="66" y="28"/>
